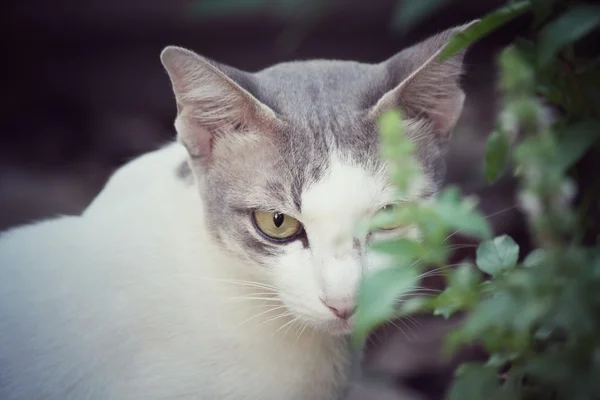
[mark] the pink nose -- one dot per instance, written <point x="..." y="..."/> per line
<point x="341" y="308"/>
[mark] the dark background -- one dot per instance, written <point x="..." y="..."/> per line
<point x="84" y="91"/>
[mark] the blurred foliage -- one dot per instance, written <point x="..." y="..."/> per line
<point x="410" y="13"/>
<point x="536" y="314"/>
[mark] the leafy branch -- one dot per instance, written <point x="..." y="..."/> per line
<point x="536" y="314"/>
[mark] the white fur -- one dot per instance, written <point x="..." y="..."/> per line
<point x="331" y="210"/>
<point x="132" y="300"/>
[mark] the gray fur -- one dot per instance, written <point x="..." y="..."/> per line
<point x="290" y="118"/>
<point x="184" y="172"/>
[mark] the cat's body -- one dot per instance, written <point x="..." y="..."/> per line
<point x="134" y="321"/>
<point x="157" y="292"/>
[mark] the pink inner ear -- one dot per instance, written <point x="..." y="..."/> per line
<point x="196" y="138"/>
<point x="449" y="111"/>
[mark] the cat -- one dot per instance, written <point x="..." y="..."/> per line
<point x="225" y="265"/>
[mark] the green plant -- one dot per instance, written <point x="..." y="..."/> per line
<point x="536" y="314"/>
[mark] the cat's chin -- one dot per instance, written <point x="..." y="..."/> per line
<point x="340" y="328"/>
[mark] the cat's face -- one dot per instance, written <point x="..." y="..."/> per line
<point x="292" y="211"/>
<point x="287" y="163"/>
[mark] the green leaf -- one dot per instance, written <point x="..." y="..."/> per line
<point x="589" y="82"/>
<point x="551" y="368"/>
<point x="517" y="76"/>
<point x="406" y="248"/>
<point x="575" y="140"/>
<point x="460" y="214"/>
<point x="464" y="278"/>
<point x="542" y="9"/>
<point x="409" y="13"/>
<point x="397" y="217"/>
<point x="497" y="360"/>
<point x="475" y="382"/>
<point x="460" y="294"/>
<point x="450" y="304"/>
<point x="415" y="305"/>
<point x="378" y="296"/>
<point x="496" y="155"/>
<point x="535" y="258"/>
<point x="497" y="255"/>
<point x="483" y="27"/>
<point x="391" y="125"/>
<point x="566" y="29"/>
<point x="503" y="321"/>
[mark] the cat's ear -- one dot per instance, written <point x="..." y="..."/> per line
<point x="424" y="86"/>
<point x="210" y="101"/>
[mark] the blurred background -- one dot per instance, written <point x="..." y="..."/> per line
<point x="84" y="92"/>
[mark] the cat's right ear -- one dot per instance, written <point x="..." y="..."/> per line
<point x="209" y="102"/>
<point x="425" y="87"/>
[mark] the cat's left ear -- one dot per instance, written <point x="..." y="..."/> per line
<point x="425" y="87"/>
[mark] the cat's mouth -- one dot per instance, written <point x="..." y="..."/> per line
<point x="341" y="327"/>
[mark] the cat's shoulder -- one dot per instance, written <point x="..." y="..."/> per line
<point x="137" y="187"/>
<point x="155" y="171"/>
<point x="164" y="159"/>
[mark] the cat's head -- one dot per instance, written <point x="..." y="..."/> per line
<point x="287" y="161"/>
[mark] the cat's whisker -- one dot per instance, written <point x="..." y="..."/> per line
<point x="407" y="296"/>
<point x="410" y="328"/>
<point x="286" y="324"/>
<point x="378" y="337"/>
<point x="256" y="298"/>
<point x="437" y="271"/>
<point x="294" y="321"/>
<point x="272" y="319"/>
<point x="242" y="284"/>
<point x="431" y="274"/>
<point x="401" y="299"/>
<point x="419" y="289"/>
<point x="370" y="340"/>
<point x="402" y="315"/>
<point x="263" y="304"/>
<point x="236" y="282"/>
<point x="301" y="331"/>
<point x="419" y="260"/>
<point x="486" y="217"/>
<point x="509" y="208"/>
<point x="462" y="246"/>
<point x="416" y="293"/>
<point x="442" y="269"/>
<point x="259" y="314"/>
<point x="264" y="294"/>
<point x="404" y="320"/>
<point x="421" y="292"/>
<point x="400" y="329"/>
<point x="407" y="317"/>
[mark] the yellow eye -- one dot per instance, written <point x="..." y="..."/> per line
<point x="389" y="223"/>
<point x="276" y="225"/>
